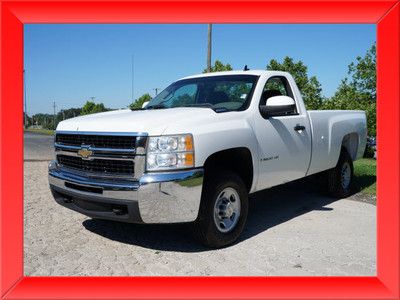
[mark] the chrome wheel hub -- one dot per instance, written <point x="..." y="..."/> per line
<point x="345" y="175"/>
<point x="227" y="210"/>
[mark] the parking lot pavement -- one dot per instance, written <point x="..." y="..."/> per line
<point x="38" y="147"/>
<point x="289" y="232"/>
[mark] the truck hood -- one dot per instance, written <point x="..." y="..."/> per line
<point x="153" y="122"/>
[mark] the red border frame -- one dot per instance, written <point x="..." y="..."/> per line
<point x="384" y="13"/>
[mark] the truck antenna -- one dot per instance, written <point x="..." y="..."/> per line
<point x="246" y="68"/>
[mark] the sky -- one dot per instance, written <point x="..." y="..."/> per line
<point x="69" y="64"/>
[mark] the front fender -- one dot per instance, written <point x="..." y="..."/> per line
<point x="213" y="138"/>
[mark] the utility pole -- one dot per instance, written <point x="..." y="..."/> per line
<point x="156" y="89"/>
<point x="26" y="113"/>
<point x="54" y="114"/>
<point x="133" y="77"/>
<point x="209" y="48"/>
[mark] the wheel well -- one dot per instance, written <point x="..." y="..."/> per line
<point x="350" y="143"/>
<point x="238" y="160"/>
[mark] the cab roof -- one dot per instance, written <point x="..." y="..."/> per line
<point x="249" y="72"/>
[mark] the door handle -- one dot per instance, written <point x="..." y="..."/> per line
<point x="299" y="127"/>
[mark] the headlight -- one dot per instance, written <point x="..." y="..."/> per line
<point x="170" y="152"/>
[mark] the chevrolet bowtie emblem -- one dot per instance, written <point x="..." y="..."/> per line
<point x="85" y="152"/>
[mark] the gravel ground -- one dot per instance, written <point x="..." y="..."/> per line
<point x="289" y="232"/>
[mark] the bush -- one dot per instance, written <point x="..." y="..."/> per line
<point x="138" y="103"/>
<point x="369" y="152"/>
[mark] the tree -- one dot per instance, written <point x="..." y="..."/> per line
<point x="138" y="103"/>
<point x="363" y="73"/>
<point x="44" y="120"/>
<point x="92" y="108"/>
<point x="310" y="88"/>
<point x="359" y="92"/>
<point x="69" y="113"/>
<point x="219" y="67"/>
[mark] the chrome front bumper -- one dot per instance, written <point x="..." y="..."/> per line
<point x="165" y="197"/>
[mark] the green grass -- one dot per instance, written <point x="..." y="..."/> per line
<point x="41" y="131"/>
<point x="365" y="176"/>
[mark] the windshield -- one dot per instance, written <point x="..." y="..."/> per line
<point x="221" y="93"/>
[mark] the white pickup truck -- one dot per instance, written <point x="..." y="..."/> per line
<point x="198" y="149"/>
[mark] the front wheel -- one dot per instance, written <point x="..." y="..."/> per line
<point x="340" y="178"/>
<point x="223" y="210"/>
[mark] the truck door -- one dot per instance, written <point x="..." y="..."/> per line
<point x="284" y="141"/>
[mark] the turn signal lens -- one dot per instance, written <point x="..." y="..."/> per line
<point x="189" y="142"/>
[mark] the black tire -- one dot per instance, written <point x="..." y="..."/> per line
<point x="205" y="228"/>
<point x="338" y="187"/>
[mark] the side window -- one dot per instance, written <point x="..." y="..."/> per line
<point x="277" y="86"/>
<point x="229" y="94"/>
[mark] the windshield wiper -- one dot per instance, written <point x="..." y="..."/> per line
<point x="208" y="105"/>
<point x="200" y="105"/>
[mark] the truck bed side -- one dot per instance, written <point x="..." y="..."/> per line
<point x="332" y="129"/>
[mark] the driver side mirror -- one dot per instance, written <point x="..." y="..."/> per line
<point x="278" y="106"/>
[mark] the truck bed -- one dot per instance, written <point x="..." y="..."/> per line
<point x="329" y="129"/>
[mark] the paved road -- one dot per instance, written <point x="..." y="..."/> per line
<point x="290" y="231"/>
<point x="38" y="147"/>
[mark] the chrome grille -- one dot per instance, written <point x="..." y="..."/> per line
<point x="97" y="141"/>
<point x="107" y="166"/>
<point x="105" y="155"/>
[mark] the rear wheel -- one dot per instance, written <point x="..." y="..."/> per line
<point x="340" y="178"/>
<point x="223" y="210"/>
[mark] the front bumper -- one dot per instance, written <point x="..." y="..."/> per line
<point x="165" y="197"/>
